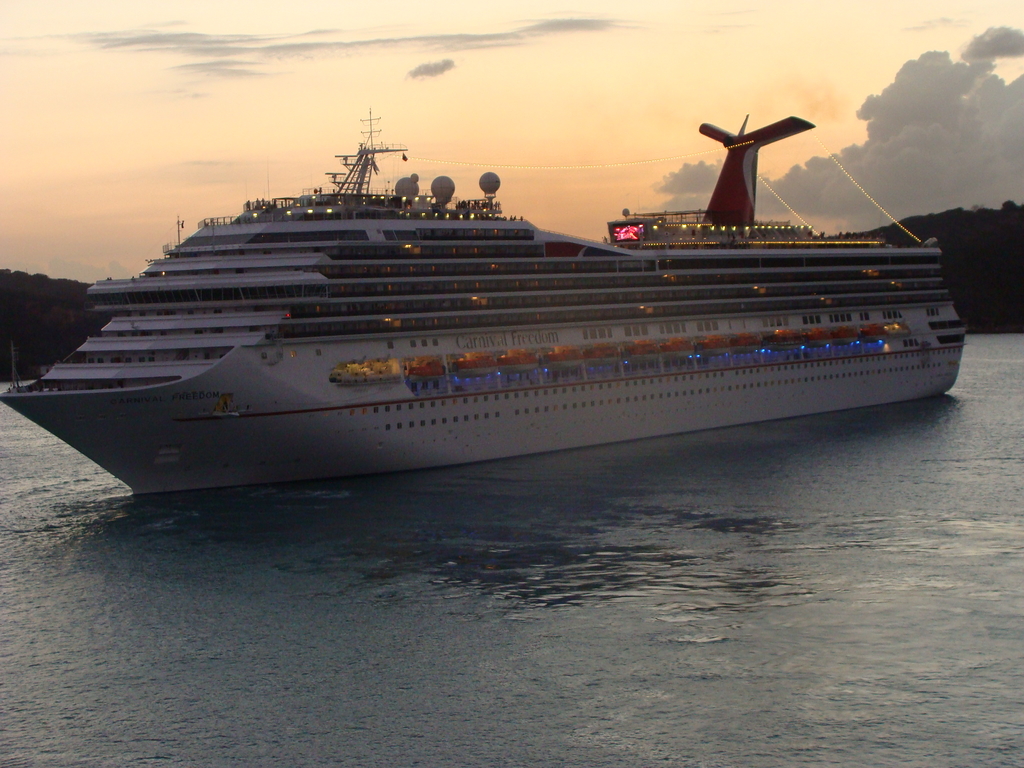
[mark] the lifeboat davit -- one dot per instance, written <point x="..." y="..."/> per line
<point x="601" y="354"/>
<point x="713" y="345"/>
<point x="844" y="335"/>
<point x="563" y="357"/>
<point x="642" y="351"/>
<point x="744" y="343"/>
<point x="476" y="364"/>
<point x="677" y="347"/>
<point x="819" y="337"/>
<point x="872" y="332"/>
<point x="424" y="369"/>
<point x="783" y="339"/>
<point x="517" y="361"/>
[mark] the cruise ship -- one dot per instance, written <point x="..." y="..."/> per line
<point x="350" y="330"/>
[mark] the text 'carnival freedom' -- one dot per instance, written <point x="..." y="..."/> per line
<point x="506" y="339"/>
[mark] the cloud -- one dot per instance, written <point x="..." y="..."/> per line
<point x="995" y="43"/>
<point x="558" y="26"/>
<point x="942" y="135"/>
<point x="220" y="53"/>
<point x="942" y="23"/>
<point x="432" y="68"/>
<point x="223" y="68"/>
<point x="690" y="186"/>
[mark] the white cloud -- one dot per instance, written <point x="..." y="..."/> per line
<point x="995" y="43"/>
<point x="690" y="186"/>
<point x="220" y="54"/>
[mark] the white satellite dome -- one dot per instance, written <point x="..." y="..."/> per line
<point x="407" y="186"/>
<point x="489" y="183"/>
<point x="442" y="188"/>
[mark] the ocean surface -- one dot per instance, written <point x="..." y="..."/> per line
<point x="838" y="590"/>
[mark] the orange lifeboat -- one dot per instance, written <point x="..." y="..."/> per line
<point x="476" y="364"/>
<point x="819" y="337"/>
<point x="424" y="368"/>
<point x="563" y="357"/>
<point x="743" y="343"/>
<point x="517" y="361"/>
<point x="601" y="354"/>
<point x="640" y="351"/>
<point x="872" y="332"/>
<point x="784" y="339"/>
<point x="677" y="347"/>
<point x="844" y="335"/>
<point x="713" y="345"/>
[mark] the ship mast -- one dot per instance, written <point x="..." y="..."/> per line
<point x="359" y="168"/>
<point x="15" y="379"/>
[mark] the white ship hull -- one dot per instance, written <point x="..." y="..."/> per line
<point x="288" y="422"/>
<point x="356" y="331"/>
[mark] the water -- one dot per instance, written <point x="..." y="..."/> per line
<point x="835" y="590"/>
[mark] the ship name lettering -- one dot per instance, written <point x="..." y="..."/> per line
<point x="194" y="395"/>
<point x="481" y="340"/>
<point x="527" y="338"/>
<point x="137" y="400"/>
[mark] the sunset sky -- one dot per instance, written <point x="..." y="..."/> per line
<point x="119" y="117"/>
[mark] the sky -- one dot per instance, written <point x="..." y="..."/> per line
<point x="118" y="118"/>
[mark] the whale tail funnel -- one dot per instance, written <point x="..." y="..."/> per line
<point x="732" y="202"/>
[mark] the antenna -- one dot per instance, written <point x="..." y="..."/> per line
<point x="371" y="122"/>
<point x="361" y="167"/>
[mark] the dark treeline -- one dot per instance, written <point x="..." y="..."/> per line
<point x="45" y="317"/>
<point x="982" y="261"/>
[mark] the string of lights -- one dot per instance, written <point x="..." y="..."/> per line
<point x="788" y="206"/>
<point x="568" y="167"/>
<point x="864" y="191"/>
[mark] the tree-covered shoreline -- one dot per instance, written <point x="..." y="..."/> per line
<point x="982" y="261"/>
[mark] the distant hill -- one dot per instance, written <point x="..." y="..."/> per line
<point x="982" y="260"/>
<point x="45" y="317"/>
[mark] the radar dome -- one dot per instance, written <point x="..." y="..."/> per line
<point x="625" y="211"/>
<point x="415" y="177"/>
<point x="489" y="183"/>
<point x="442" y="188"/>
<point x="407" y="186"/>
